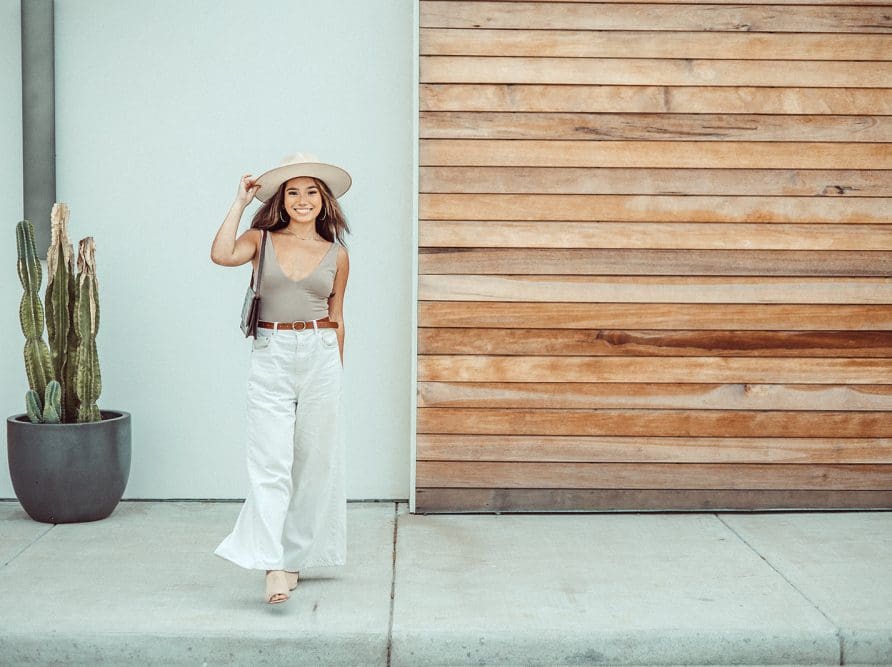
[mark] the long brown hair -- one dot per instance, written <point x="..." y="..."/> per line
<point x="331" y="223"/>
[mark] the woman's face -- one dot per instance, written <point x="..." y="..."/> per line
<point x="303" y="201"/>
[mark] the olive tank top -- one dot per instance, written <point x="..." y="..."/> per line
<point x="285" y="300"/>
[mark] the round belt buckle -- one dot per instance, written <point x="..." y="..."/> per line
<point x="303" y="325"/>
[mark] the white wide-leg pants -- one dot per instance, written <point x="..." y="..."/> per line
<point x="295" y="512"/>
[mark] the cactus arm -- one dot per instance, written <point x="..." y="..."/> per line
<point x="31" y="310"/>
<point x="88" y="380"/>
<point x="32" y="406"/>
<point x="52" y="405"/>
<point x="38" y="363"/>
<point x="38" y="366"/>
<point x="30" y="273"/>
<point x="69" y="394"/>
<point x="59" y="288"/>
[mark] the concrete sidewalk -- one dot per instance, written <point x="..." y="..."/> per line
<point x="143" y="587"/>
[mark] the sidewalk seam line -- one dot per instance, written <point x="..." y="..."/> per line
<point x="835" y="625"/>
<point x="396" y="516"/>
<point x="29" y="545"/>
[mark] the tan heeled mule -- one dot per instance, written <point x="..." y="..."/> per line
<point x="288" y="576"/>
<point x="276" y="587"/>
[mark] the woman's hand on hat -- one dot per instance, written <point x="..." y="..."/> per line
<point x="247" y="187"/>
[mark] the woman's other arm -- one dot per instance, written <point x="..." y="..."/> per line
<point x="336" y="300"/>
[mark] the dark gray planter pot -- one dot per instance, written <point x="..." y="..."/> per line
<point x="66" y="473"/>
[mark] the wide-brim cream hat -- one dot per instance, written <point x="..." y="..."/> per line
<point x="302" y="164"/>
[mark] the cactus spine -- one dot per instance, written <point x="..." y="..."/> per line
<point x="88" y="381"/>
<point x="59" y="297"/>
<point x="38" y="364"/>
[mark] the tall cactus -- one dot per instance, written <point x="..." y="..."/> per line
<point x="88" y="381"/>
<point x="59" y="298"/>
<point x="38" y="364"/>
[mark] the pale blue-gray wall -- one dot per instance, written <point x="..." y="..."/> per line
<point x="161" y="107"/>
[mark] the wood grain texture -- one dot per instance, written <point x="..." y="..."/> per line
<point x="654" y="17"/>
<point x="473" y="500"/>
<point x="655" y="255"/>
<point x="662" y="208"/>
<point x="654" y="98"/>
<point x="637" y="262"/>
<point x="653" y="396"/>
<point x="774" y="370"/>
<point x="655" y="71"/>
<point x="654" y="154"/>
<point x="595" y="181"/>
<point x="607" y="449"/>
<point x="606" y="342"/>
<point x="654" y="126"/>
<point x="707" y="317"/>
<point x="651" y="235"/>
<point x="649" y="289"/>
<point x="861" y="476"/>
<point x="650" y="44"/>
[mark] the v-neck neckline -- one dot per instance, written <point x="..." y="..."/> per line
<point x="282" y="271"/>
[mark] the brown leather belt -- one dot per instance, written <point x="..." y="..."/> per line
<point x="324" y="323"/>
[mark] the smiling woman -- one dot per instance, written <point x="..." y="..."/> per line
<point x="294" y="515"/>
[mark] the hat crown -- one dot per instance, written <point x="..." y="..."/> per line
<point x="299" y="158"/>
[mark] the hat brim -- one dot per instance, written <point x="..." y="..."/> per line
<point x="337" y="180"/>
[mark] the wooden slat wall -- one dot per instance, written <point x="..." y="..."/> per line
<point x="654" y="262"/>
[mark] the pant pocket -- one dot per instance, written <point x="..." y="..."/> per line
<point x="329" y="337"/>
<point x="261" y="340"/>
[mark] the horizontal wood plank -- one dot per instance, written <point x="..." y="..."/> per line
<point x="653" y="44"/>
<point x="653" y="17"/>
<point x="748" y="317"/>
<point x="657" y="423"/>
<point x="772" y="370"/>
<point x="661" y="208"/>
<point x="654" y="154"/>
<point x="650" y="289"/>
<point x="652" y="262"/>
<point x="654" y="396"/>
<point x="595" y="181"/>
<point x="606" y="449"/>
<point x="655" y="71"/>
<point x="651" y="235"/>
<point x="654" y="99"/>
<point x="606" y="342"/>
<point x="862" y="476"/>
<point x="654" y="126"/>
<point x="467" y="499"/>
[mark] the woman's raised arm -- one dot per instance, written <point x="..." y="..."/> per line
<point x="226" y="249"/>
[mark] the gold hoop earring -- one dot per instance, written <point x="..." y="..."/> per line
<point x="281" y="219"/>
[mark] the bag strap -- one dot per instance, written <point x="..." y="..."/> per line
<point x="259" y="274"/>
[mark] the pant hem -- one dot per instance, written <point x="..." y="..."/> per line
<point x="290" y="568"/>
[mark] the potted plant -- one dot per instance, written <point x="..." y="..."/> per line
<point x="69" y="461"/>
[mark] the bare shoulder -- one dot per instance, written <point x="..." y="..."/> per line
<point x="343" y="259"/>
<point x="252" y="234"/>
